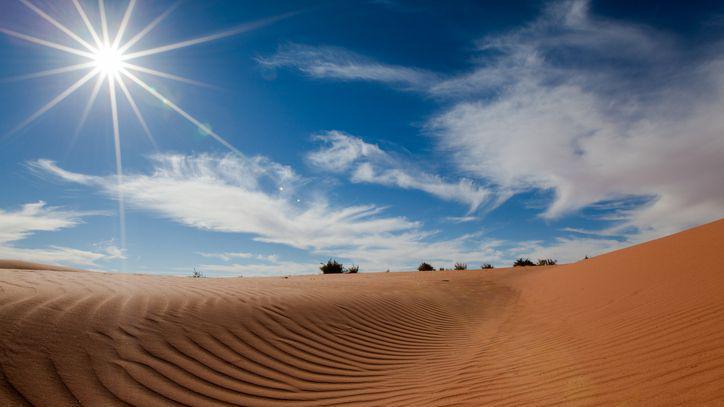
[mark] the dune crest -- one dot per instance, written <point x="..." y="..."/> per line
<point x="26" y="265"/>
<point x="643" y="325"/>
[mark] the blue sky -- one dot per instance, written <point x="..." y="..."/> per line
<point x="382" y="133"/>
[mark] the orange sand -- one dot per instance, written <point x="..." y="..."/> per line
<point x="643" y="325"/>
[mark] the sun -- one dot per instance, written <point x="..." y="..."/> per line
<point x="108" y="60"/>
<point x="111" y="59"/>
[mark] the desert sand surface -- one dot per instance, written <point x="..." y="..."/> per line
<point x="639" y="326"/>
<point x="26" y="265"/>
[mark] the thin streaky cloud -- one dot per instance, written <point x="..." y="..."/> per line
<point x="261" y="269"/>
<point x="462" y="219"/>
<point x="593" y="133"/>
<point x="368" y="163"/>
<point x="106" y="62"/>
<point x="546" y="109"/>
<point x="341" y="64"/>
<point x="232" y="194"/>
<point x="226" y="256"/>
<point x="35" y="217"/>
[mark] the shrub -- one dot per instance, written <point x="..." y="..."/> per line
<point x="547" y="262"/>
<point x="461" y="266"/>
<point x="486" y="266"/>
<point x="521" y="262"/>
<point x="197" y="274"/>
<point x="441" y="269"/>
<point x="332" y="267"/>
<point x="425" y="267"/>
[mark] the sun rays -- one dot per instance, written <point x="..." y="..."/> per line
<point x="107" y="60"/>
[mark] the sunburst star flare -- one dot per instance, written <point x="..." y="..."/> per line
<point x="106" y="60"/>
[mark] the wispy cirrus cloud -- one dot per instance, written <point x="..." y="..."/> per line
<point x="254" y="265"/>
<point x="367" y="163"/>
<point x="226" y="256"/>
<point x="31" y="218"/>
<point x="238" y="194"/>
<point x="590" y="108"/>
<point x="255" y="196"/>
<point x="280" y="268"/>
<point x="461" y="219"/>
<point x="229" y="256"/>
<point x="34" y="217"/>
<point x="340" y="64"/>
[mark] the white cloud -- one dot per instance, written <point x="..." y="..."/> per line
<point x="340" y="64"/>
<point x="595" y="110"/>
<point x="255" y="265"/>
<point x="592" y="109"/>
<point x="114" y="252"/>
<point x="37" y="217"/>
<point x="242" y="195"/>
<point x="341" y="150"/>
<point x="261" y="269"/>
<point x="111" y="250"/>
<point x="34" y="217"/>
<point x="461" y="219"/>
<point x="367" y="163"/>
<point x="236" y="194"/>
<point x="406" y="252"/>
<point x="226" y="256"/>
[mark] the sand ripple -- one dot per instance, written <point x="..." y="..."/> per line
<point x="644" y="325"/>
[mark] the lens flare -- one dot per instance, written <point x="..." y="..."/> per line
<point x="108" y="60"/>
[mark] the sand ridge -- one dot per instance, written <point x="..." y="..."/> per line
<point x="26" y="265"/>
<point x="643" y="325"/>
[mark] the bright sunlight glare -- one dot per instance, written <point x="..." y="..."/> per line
<point x="108" y="60"/>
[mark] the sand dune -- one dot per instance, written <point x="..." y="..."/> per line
<point x="643" y="325"/>
<point x="26" y="265"/>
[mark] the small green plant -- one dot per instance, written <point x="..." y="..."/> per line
<point x="425" y="267"/>
<point x="460" y="266"/>
<point x="486" y="266"/>
<point x="547" y="262"/>
<point x="352" y="269"/>
<point x="332" y="267"/>
<point x="197" y="274"/>
<point x="521" y="262"/>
